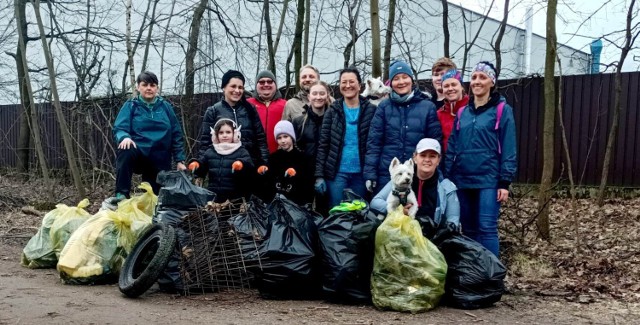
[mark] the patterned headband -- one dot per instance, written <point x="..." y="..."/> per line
<point x="487" y="69"/>
<point x="453" y="73"/>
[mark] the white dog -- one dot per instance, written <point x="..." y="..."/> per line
<point x="376" y="91"/>
<point x="401" y="193"/>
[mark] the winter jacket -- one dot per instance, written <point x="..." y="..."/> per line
<point x="222" y="181"/>
<point x="332" y="137"/>
<point x="295" y="106"/>
<point x="155" y="129"/>
<point x="270" y="114"/>
<point x="434" y="99"/>
<point x="244" y="115"/>
<point x="446" y="115"/>
<point x="307" y="128"/>
<point x="448" y="204"/>
<point x="395" y="131"/>
<point x="478" y="155"/>
<point x="298" y="188"/>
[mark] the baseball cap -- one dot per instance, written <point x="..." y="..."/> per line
<point x="428" y="144"/>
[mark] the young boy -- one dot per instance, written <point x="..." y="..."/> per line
<point x="439" y="68"/>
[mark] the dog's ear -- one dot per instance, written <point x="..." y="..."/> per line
<point x="409" y="163"/>
<point x="394" y="162"/>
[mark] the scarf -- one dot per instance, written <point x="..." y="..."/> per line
<point x="226" y="148"/>
<point x="398" y="99"/>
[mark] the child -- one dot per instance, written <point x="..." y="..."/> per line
<point x="227" y="162"/>
<point x="290" y="168"/>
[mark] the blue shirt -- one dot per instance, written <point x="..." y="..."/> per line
<point x="350" y="161"/>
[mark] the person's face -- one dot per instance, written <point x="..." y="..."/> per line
<point x="426" y="162"/>
<point x="452" y="89"/>
<point x="480" y="84"/>
<point x="349" y="85"/>
<point x="401" y="83"/>
<point x="266" y="88"/>
<point x="318" y="96"/>
<point x="307" y="78"/>
<point x="233" y="91"/>
<point x="147" y="91"/>
<point x="284" y="142"/>
<point x="225" y="134"/>
<point x="436" y="79"/>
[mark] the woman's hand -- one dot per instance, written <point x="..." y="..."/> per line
<point x="126" y="144"/>
<point x="181" y="166"/>
<point x="503" y="195"/>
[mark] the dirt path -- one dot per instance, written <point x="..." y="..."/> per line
<point x="38" y="297"/>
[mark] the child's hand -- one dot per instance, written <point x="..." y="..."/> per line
<point x="236" y="166"/>
<point x="290" y="172"/>
<point x="263" y="169"/>
<point x="193" y="166"/>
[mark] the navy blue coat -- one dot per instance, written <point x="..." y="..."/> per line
<point x="479" y="156"/>
<point x="395" y="131"/>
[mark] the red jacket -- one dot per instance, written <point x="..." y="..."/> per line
<point x="269" y="116"/>
<point x="446" y="115"/>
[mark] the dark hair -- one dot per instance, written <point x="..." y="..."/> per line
<point x="148" y="77"/>
<point x="491" y="66"/>
<point x="222" y="123"/>
<point x="351" y="70"/>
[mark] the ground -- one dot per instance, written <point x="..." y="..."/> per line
<point x="548" y="282"/>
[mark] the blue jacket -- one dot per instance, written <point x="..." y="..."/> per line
<point x="155" y="130"/>
<point x="479" y="156"/>
<point x="395" y="131"/>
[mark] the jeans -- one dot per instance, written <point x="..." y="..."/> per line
<point x="130" y="161"/>
<point x="479" y="212"/>
<point x="353" y="181"/>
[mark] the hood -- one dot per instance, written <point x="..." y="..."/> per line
<point x="236" y="131"/>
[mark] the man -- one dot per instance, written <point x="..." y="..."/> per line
<point x="295" y="106"/>
<point x="148" y="135"/>
<point x="269" y="103"/>
<point x="441" y="66"/>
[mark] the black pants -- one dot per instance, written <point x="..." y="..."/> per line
<point x="130" y="161"/>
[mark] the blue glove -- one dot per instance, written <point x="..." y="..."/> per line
<point x="320" y="185"/>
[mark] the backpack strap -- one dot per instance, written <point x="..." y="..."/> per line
<point x="500" y="108"/>
<point x="459" y="115"/>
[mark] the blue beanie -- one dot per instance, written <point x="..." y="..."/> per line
<point x="399" y="67"/>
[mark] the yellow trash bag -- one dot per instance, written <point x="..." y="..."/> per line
<point x="42" y="249"/>
<point x="145" y="202"/>
<point x="409" y="271"/>
<point x="96" y="251"/>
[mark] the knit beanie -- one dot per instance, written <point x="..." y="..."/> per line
<point x="453" y="73"/>
<point x="284" y="127"/>
<point x="266" y="74"/>
<point x="231" y="74"/>
<point x="399" y="67"/>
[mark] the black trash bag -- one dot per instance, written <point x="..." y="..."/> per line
<point x="347" y="242"/>
<point x="475" y="277"/>
<point x="289" y="262"/>
<point x="251" y="228"/>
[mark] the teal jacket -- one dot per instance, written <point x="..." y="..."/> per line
<point x="153" y="127"/>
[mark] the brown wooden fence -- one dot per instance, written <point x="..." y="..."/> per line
<point x="587" y="102"/>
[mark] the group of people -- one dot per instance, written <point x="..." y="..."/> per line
<point x="312" y="147"/>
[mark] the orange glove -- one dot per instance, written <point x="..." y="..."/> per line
<point x="263" y="169"/>
<point x="236" y="166"/>
<point x="193" y="166"/>
<point x="290" y="172"/>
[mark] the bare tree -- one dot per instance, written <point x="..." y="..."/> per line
<point x="297" y="42"/>
<point x="164" y="46"/>
<point x="376" y="63"/>
<point x="498" y="42"/>
<point x="130" y="52"/>
<point x="469" y="44"/>
<point x="26" y="96"/>
<point x="445" y="26"/>
<point x="353" y="10"/>
<point x="389" y="37"/>
<point x="307" y="23"/>
<point x="149" y="33"/>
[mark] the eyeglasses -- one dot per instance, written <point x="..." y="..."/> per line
<point x="265" y="82"/>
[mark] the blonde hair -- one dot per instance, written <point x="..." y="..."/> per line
<point x="328" y="103"/>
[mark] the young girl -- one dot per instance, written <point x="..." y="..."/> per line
<point x="289" y="173"/>
<point x="227" y="162"/>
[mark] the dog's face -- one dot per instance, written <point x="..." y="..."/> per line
<point x="401" y="174"/>
<point x="375" y="87"/>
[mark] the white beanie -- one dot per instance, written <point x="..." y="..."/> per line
<point x="284" y="127"/>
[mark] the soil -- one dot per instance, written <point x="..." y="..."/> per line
<point x="548" y="283"/>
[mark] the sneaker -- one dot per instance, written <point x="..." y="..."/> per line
<point x="111" y="203"/>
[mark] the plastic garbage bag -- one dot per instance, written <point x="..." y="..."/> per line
<point x="251" y="228"/>
<point x="95" y="252"/>
<point x="409" y="271"/>
<point x="475" y="278"/>
<point x="347" y="239"/>
<point x="289" y="262"/>
<point x="44" y="247"/>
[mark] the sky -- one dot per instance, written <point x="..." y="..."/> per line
<point x="578" y="23"/>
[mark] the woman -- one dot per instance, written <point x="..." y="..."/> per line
<point x="235" y="107"/>
<point x="343" y="139"/>
<point x="436" y="196"/>
<point x="399" y="123"/>
<point x="454" y="99"/>
<point x="481" y="157"/>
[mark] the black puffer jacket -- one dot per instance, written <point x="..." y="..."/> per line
<point x="222" y="181"/>
<point x="307" y="128"/>
<point x="298" y="188"/>
<point x="332" y="137"/>
<point x="245" y="116"/>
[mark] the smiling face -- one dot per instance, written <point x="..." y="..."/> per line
<point x="426" y="162"/>
<point x="225" y="134"/>
<point x="307" y="78"/>
<point x="233" y="91"/>
<point x="266" y="88"/>
<point x="284" y="142"/>
<point x="148" y="91"/>
<point x="349" y="85"/>
<point x="452" y="89"/>
<point x="480" y="84"/>
<point x="318" y="96"/>
<point x="436" y="79"/>
<point x="401" y="84"/>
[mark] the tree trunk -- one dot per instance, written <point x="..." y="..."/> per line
<point x="376" y="64"/>
<point x="501" y="30"/>
<point x="544" y="196"/>
<point x="164" y="45"/>
<point x="267" y="24"/>
<point x="389" y="38"/>
<point x="297" y="42"/>
<point x="148" y="43"/>
<point x="617" y="104"/>
<point x="130" y="51"/>
<point x="469" y="45"/>
<point x="66" y="134"/>
<point x="315" y="36"/>
<point x="285" y="6"/>
<point x="445" y="26"/>
<point x="307" y="23"/>
<point x="24" y="140"/>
